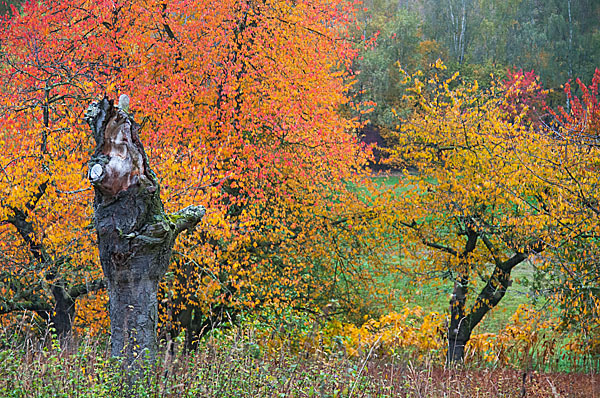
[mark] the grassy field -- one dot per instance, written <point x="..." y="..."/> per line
<point x="232" y="367"/>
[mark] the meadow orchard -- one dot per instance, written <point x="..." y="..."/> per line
<point x="235" y="129"/>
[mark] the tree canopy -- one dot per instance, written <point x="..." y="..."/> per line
<point x="239" y="107"/>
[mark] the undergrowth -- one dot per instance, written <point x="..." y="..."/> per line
<point x="236" y="364"/>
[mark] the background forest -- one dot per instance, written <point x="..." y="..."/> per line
<point x="401" y="197"/>
<point x="557" y="40"/>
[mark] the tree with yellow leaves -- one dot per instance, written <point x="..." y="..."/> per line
<point x="469" y="210"/>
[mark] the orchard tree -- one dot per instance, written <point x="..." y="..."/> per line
<point x="467" y="213"/>
<point x="47" y="77"/>
<point x="493" y="188"/>
<point x="283" y="201"/>
<point x="238" y="105"/>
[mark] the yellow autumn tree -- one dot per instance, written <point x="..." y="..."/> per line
<point x="467" y="209"/>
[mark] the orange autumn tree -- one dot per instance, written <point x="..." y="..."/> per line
<point x="239" y="107"/>
<point x="46" y="78"/>
<point x="277" y="161"/>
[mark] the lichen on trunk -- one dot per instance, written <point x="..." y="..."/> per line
<point x="135" y="235"/>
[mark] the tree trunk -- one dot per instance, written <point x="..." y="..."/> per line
<point x="135" y="236"/>
<point x="462" y="322"/>
<point x="458" y="329"/>
<point x="64" y="311"/>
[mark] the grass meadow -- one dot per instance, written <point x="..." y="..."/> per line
<point x="234" y="365"/>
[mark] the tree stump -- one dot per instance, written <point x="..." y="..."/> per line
<point x="135" y="236"/>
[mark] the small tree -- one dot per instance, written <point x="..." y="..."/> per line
<point x="468" y="213"/>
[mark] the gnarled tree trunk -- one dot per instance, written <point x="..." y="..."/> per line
<point x="135" y="236"/>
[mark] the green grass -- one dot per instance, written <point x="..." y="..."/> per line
<point x="434" y="295"/>
<point x="387" y="180"/>
<point x="233" y="366"/>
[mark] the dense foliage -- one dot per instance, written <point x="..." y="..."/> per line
<point x="250" y="129"/>
<point x="254" y="109"/>
<point x="559" y="40"/>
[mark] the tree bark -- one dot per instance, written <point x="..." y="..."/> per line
<point x="462" y="323"/>
<point x="135" y="236"/>
<point x="458" y="330"/>
<point x="61" y="318"/>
